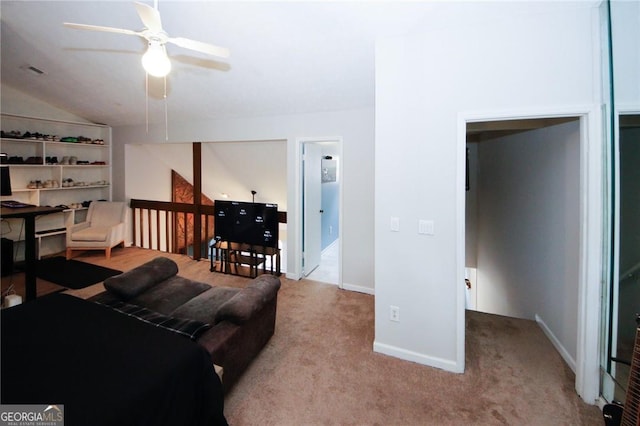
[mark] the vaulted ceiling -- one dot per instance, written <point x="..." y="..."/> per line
<point x="286" y="57"/>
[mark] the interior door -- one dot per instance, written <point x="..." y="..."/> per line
<point x="312" y="207"/>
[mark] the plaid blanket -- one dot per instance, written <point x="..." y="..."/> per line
<point x="185" y="327"/>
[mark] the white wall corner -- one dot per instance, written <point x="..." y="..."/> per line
<point x="556" y="343"/>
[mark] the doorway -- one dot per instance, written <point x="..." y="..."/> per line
<point x="321" y="210"/>
<point x="522" y="196"/>
<point x="524" y="238"/>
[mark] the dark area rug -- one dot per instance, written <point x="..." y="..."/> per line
<point x="72" y="274"/>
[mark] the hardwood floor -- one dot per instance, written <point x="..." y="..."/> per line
<point x="124" y="259"/>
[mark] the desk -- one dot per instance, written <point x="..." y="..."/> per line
<point x="29" y="215"/>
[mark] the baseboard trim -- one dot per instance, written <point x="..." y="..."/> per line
<point x="358" y="288"/>
<point x="442" y="364"/>
<point x="556" y="343"/>
<point x="330" y="246"/>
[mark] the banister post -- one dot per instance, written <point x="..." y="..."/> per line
<point x="197" y="200"/>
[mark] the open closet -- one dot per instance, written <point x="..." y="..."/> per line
<point x="522" y="223"/>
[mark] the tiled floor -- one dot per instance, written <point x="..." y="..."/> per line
<point x="327" y="272"/>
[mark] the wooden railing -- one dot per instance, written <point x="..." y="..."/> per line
<point x="156" y="226"/>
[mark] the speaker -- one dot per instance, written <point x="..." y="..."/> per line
<point x="6" y="257"/>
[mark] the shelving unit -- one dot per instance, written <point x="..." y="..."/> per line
<point x="46" y="177"/>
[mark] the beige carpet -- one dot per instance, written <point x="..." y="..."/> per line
<point x="319" y="368"/>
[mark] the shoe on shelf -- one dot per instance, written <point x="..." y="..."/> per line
<point x="33" y="160"/>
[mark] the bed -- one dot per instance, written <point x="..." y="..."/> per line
<point x="105" y="367"/>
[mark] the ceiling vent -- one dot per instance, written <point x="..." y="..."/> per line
<point x="32" y="69"/>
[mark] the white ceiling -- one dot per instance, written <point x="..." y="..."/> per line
<point x="286" y="57"/>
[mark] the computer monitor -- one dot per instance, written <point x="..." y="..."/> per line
<point x="5" y="181"/>
<point x="243" y="222"/>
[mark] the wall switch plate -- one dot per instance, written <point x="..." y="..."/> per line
<point x="395" y="224"/>
<point x="394" y="313"/>
<point x="426" y="227"/>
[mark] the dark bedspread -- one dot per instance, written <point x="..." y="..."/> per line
<point x="105" y="367"/>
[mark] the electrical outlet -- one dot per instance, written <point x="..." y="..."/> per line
<point x="394" y="313"/>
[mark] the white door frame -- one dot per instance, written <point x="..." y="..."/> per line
<point x="298" y="202"/>
<point x="591" y="265"/>
<point x="311" y="207"/>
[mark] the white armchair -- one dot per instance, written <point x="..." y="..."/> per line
<point x="103" y="229"/>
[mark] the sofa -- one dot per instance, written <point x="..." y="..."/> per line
<point x="232" y="324"/>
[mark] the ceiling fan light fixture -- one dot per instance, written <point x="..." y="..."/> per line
<point x="155" y="61"/>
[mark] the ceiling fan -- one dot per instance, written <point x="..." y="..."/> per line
<point x="155" y="61"/>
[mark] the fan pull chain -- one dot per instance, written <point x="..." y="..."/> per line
<point x="166" y="106"/>
<point x="166" y="112"/>
<point x="146" y="109"/>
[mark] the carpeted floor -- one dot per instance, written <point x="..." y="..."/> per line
<point x="319" y="368"/>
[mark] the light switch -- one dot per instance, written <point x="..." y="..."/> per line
<point x="395" y="224"/>
<point x="426" y="227"/>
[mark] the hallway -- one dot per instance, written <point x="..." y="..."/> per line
<point x="327" y="271"/>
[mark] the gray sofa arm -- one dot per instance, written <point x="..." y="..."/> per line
<point x="138" y="280"/>
<point x="241" y="307"/>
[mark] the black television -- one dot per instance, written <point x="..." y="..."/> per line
<point x="244" y="222"/>
<point x="5" y="181"/>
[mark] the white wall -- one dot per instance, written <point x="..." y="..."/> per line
<point x="625" y="18"/>
<point x="529" y="238"/>
<point x="234" y="168"/>
<point x="149" y="166"/>
<point x="14" y="101"/>
<point x="520" y="56"/>
<point x="356" y="128"/>
<point x="237" y="168"/>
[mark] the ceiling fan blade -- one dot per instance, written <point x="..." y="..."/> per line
<point x="149" y="16"/>
<point x="99" y="28"/>
<point x="199" y="46"/>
